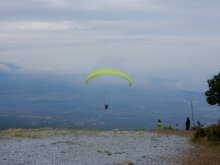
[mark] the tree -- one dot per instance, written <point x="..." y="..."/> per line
<point x="213" y="94"/>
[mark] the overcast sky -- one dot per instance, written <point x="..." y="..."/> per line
<point x="169" y="39"/>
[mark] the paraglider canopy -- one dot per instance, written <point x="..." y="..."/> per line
<point x="108" y="71"/>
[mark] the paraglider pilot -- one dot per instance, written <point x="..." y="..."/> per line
<point x="106" y="106"/>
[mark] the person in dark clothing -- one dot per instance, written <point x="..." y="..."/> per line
<point x="187" y="123"/>
<point x="106" y="106"/>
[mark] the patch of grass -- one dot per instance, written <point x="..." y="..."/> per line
<point x="119" y="152"/>
<point x="32" y="137"/>
<point x="68" y="142"/>
<point x="20" y="135"/>
<point x="108" y="153"/>
<point x="130" y="164"/>
<point x="207" y="145"/>
<point x="63" y="142"/>
<point x="168" y="127"/>
<point x="56" y="142"/>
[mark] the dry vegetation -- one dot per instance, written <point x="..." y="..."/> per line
<point x="204" y="153"/>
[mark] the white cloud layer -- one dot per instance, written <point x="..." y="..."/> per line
<point x="172" y="39"/>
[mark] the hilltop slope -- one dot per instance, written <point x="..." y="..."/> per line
<point x="82" y="146"/>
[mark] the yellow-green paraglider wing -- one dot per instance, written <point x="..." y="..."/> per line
<point x="107" y="71"/>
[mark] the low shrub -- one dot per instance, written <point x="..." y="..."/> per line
<point x="169" y="127"/>
<point x="211" y="133"/>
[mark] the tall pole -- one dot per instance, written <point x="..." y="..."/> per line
<point x="192" y="112"/>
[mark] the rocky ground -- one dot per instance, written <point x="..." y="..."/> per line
<point x="99" y="147"/>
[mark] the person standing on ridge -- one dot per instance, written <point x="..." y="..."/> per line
<point x="159" y="124"/>
<point x="187" y="123"/>
<point x="177" y="127"/>
<point x="199" y="125"/>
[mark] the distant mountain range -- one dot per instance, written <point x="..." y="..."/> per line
<point x="9" y="65"/>
<point x="4" y="66"/>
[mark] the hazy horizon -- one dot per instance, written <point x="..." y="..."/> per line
<point x="32" y="100"/>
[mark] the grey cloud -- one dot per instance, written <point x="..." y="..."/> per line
<point x="133" y="35"/>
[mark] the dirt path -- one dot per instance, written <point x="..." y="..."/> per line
<point x="203" y="153"/>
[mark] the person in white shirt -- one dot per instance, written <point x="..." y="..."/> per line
<point x="177" y="128"/>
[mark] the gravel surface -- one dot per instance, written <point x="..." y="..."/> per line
<point x="83" y="147"/>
